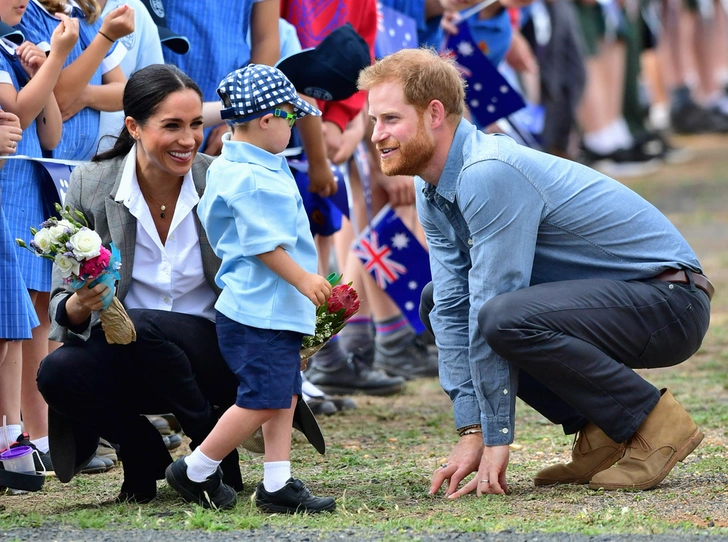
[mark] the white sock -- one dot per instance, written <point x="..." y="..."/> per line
<point x="13" y="432"/>
<point x="601" y="141"/>
<point x="620" y="134"/>
<point x="41" y="444"/>
<point x="199" y="466"/>
<point x="275" y="475"/>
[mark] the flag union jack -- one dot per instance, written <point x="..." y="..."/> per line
<point x="376" y="260"/>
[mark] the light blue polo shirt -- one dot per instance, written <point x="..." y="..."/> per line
<point x="251" y="206"/>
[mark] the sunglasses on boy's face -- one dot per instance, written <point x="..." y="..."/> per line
<point x="290" y="117"/>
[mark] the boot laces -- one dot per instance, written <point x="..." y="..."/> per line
<point x="638" y="440"/>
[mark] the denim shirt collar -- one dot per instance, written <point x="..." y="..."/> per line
<point x="447" y="184"/>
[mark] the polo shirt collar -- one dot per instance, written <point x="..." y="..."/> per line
<point x="240" y="151"/>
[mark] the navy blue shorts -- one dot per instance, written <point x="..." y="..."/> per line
<point x="266" y="361"/>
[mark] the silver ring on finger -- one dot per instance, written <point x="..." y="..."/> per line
<point x="484" y="482"/>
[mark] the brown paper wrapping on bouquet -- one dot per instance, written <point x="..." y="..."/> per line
<point x="117" y="326"/>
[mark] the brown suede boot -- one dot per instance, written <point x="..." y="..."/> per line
<point x="667" y="436"/>
<point x="593" y="451"/>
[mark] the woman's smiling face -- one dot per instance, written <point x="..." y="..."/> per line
<point x="168" y="141"/>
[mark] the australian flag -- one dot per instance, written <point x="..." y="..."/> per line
<point x="395" y="31"/>
<point x="489" y="96"/>
<point x="397" y="261"/>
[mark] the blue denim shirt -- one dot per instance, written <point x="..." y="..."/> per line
<point x="504" y="217"/>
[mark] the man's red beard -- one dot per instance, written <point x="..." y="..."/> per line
<point x="411" y="157"/>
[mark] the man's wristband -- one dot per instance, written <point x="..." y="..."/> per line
<point x="469" y="430"/>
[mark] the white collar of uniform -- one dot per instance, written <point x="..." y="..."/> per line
<point x="129" y="191"/>
<point x="8" y="45"/>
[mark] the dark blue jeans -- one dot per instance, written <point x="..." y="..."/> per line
<point x="583" y="339"/>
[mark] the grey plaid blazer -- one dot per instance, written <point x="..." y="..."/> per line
<point x="92" y="191"/>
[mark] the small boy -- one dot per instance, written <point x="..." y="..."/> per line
<point x="254" y="218"/>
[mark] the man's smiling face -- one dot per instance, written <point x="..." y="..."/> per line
<point x="400" y="135"/>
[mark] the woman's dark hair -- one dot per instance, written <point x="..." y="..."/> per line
<point x="143" y="93"/>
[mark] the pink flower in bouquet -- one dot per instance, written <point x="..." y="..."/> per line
<point x="343" y="297"/>
<point x="92" y="268"/>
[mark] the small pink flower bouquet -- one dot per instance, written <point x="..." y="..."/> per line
<point x="331" y="317"/>
<point x="77" y="252"/>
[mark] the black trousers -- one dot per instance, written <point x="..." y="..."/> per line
<point x="581" y="340"/>
<point x="174" y="366"/>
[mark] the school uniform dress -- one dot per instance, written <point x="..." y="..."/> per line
<point x="217" y="36"/>
<point x="217" y="40"/>
<point x="143" y="49"/>
<point x="17" y="315"/>
<point x="27" y="194"/>
<point x="81" y="131"/>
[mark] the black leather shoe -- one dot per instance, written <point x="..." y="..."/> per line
<point x="320" y="406"/>
<point x="342" y="403"/>
<point x="211" y="493"/>
<point x="160" y="424"/>
<point x="353" y="377"/>
<point x="291" y="498"/>
<point x="172" y="441"/>
<point x="97" y="465"/>
<point x="412" y="361"/>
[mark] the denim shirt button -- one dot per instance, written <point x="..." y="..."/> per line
<point x="505" y="392"/>
<point x="504" y="430"/>
<point x="671" y="286"/>
<point x="470" y="242"/>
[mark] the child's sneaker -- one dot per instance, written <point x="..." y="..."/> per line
<point x="291" y="498"/>
<point x="211" y="493"/>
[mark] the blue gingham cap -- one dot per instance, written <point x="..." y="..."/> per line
<point x="256" y="90"/>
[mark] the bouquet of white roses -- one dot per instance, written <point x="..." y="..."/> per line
<point x="331" y="317"/>
<point x="77" y="252"/>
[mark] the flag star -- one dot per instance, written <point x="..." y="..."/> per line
<point x="400" y="240"/>
<point x="409" y="306"/>
<point x="477" y="87"/>
<point x="465" y="48"/>
<point x="400" y="22"/>
<point x="392" y="32"/>
<point x="474" y="103"/>
<point x="412" y="285"/>
<point x="407" y="37"/>
<point x="490" y="108"/>
<point x="504" y="89"/>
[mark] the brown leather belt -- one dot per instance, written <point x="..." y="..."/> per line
<point x="679" y="275"/>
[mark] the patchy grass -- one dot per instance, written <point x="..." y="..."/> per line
<point x="381" y="456"/>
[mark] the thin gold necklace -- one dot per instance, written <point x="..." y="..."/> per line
<point x="162" y="206"/>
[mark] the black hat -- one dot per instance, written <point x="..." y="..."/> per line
<point x="330" y="70"/>
<point x="10" y="33"/>
<point x="176" y="43"/>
